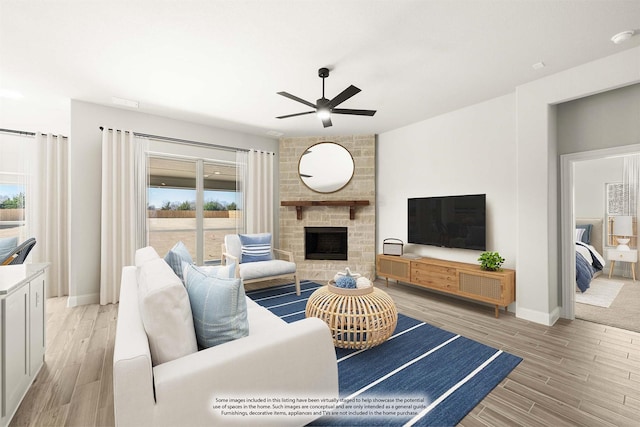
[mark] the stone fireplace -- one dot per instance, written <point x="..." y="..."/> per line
<point x="328" y="243"/>
<point x="360" y="231"/>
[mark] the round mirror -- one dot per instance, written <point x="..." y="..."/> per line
<point x="326" y="167"/>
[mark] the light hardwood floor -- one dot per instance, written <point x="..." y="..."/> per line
<point x="574" y="373"/>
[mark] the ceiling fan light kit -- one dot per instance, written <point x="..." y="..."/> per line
<point x="325" y="107"/>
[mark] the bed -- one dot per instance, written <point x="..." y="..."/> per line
<point x="588" y="246"/>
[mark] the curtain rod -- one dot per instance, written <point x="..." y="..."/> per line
<point x="188" y="142"/>
<point x="22" y="132"/>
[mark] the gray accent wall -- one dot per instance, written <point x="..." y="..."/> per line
<point x="605" y="120"/>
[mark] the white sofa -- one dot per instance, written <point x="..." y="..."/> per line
<point x="276" y="359"/>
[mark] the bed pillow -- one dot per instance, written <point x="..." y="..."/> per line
<point x="176" y="256"/>
<point x="586" y="236"/>
<point x="579" y="233"/>
<point x="255" y="247"/>
<point x="7" y="246"/>
<point x="219" y="308"/>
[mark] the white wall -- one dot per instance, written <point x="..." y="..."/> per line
<point x="518" y="171"/>
<point x="469" y="151"/>
<point x="538" y="290"/>
<point x="85" y="143"/>
<point x="590" y="178"/>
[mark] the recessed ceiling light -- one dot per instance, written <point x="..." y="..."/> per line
<point x="216" y="173"/>
<point x="124" y="102"/>
<point x="274" y="133"/>
<point x="623" y="36"/>
<point x="539" y="65"/>
<point x="10" y="94"/>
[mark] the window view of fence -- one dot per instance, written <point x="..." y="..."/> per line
<point x="193" y="201"/>
<point x="12" y="211"/>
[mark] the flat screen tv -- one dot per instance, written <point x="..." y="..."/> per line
<point x="450" y="221"/>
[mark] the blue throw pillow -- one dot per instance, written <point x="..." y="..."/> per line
<point x="176" y="256"/>
<point x="586" y="236"/>
<point x="222" y="271"/>
<point x="7" y="246"/>
<point x="219" y="309"/>
<point x="255" y="247"/>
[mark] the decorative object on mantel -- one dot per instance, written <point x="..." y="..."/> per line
<point x="299" y="204"/>
<point x="490" y="261"/>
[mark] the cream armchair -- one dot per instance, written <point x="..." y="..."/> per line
<point x="281" y="266"/>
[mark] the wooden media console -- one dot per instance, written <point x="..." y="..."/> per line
<point x="457" y="278"/>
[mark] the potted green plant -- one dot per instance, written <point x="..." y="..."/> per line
<point x="490" y="261"/>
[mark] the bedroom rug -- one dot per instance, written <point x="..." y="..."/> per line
<point x="422" y="375"/>
<point x="601" y="293"/>
<point x="623" y="313"/>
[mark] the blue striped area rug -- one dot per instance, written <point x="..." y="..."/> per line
<point x="421" y="376"/>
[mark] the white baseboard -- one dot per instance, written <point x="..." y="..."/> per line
<point x="83" y="300"/>
<point x="547" y="319"/>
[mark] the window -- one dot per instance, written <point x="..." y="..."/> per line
<point x="16" y="155"/>
<point x="12" y="209"/>
<point x="617" y="195"/>
<point x="193" y="200"/>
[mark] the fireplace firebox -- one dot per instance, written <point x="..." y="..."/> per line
<point x="327" y="243"/>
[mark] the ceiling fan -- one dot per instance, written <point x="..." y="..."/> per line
<point x="325" y="107"/>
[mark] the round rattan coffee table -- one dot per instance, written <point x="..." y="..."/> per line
<point x="357" y="318"/>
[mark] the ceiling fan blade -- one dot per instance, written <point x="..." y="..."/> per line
<point x="327" y="122"/>
<point x="343" y="96"/>
<point x="354" y="112"/>
<point x="295" y="98"/>
<point x="296" y="114"/>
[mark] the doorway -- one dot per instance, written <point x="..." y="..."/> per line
<point x="569" y="164"/>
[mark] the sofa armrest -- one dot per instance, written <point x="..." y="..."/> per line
<point x="282" y="254"/>
<point x="132" y="372"/>
<point x="295" y="361"/>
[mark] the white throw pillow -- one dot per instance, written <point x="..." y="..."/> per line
<point x="166" y="312"/>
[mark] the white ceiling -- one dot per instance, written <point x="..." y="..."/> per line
<point x="221" y="62"/>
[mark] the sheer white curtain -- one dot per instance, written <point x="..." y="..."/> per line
<point x="631" y="181"/>
<point x="49" y="218"/>
<point x="259" y="192"/>
<point x="123" y="208"/>
<point x="241" y="178"/>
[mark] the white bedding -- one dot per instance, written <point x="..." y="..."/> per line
<point x="583" y="249"/>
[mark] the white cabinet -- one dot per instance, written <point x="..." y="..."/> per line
<point x="629" y="255"/>
<point x="22" y="332"/>
<point x="15" y="311"/>
<point x="36" y="324"/>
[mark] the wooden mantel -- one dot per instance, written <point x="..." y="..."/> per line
<point x="299" y="204"/>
